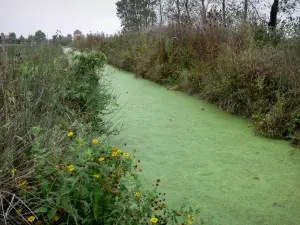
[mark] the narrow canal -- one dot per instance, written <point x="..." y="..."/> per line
<point x="208" y="156"/>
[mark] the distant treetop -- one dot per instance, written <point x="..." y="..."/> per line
<point x="77" y="32"/>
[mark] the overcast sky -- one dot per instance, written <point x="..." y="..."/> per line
<point x="26" y="17"/>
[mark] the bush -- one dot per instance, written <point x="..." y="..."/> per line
<point x="96" y="184"/>
<point x="88" y="89"/>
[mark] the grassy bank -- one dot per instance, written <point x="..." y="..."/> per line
<point x="54" y="168"/>
<point x="246" y="71"/>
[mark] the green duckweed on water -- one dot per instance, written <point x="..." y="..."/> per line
<point x="208" y="156"/>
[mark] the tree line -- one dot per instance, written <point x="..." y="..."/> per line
<point x="137" y="15"/>
<point x="40" y="37"/>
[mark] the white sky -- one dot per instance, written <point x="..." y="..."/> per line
<point x="27" y="16"/>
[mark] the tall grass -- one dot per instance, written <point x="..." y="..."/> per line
<point x="244" y="70"/>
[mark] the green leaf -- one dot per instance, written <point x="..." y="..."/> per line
<point x="41" y="210"/>
<point x="97" y="199"/>
<point x="51" y="214"/>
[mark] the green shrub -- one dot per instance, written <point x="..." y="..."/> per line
<point x="92" y="183"/>
<point x="88" y="89"/>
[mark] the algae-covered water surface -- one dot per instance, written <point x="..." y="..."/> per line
<point x="208" y="156"/>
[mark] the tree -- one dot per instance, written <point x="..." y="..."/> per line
<point x="245" y="10"/>
<point x="136" y="15"/>
<point x="12" y="38"/>
<point x="21" y="40"/>
<point x="178" y="15"/>
<point x="40" y="36"/>
<point x="224" y="12"/>
<point x="30" y="38"/>
<point x="203" y="11"/>
<point x="160" y="5"/>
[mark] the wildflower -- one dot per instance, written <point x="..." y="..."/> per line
<point x="126" y="154"/>
<point x="188" y="215"/>
<point x="20" y="210"/>
<point x="190" y="221"/>
<point x="56" y="218"/>
<point x="23" y="183"/>
<point x="101" y="159"/>
<point x="14" y="170"/>
<point x="154" y="220"/>
<point x="114" y="149"/>
<point x="97" y="175"/>
<point x="71" y="167"/>
<point x="119" y="151"/>
<point x="138" y="194"/>
<point x="114" y="154"/>
<point x="70" y="134"/>
<point x="31" y="219"/>
<point x="96" y="141"/>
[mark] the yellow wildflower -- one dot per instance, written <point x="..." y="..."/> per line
<point x="14" y="170"/>
<point x="138" y="194"/>
<point x="188" y="215"/>
<point x="70" y="134"/>
<point x="101" y="159"/>
<point x="190" y="221"/>
<point x="20" y="210"/>
<point x="119" y="151"/>
<point x="114" y="149"/>
<point x="154" y="220"/>
<point x="31" y="219"/>
<point x="126" y="154"/>
<point x="97" y="175"/>
<point x="71" y="167"/>
<point x="96" y="141"/>
<point x="114" y="153"/>
<point x="56" y="218"/>
<point x="23" y="183"/>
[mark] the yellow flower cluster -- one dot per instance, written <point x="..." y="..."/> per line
<point x="190" y="219"/>
<point x="71" y="168"/>
<point x="31" y="219"/>
<point x="96" y="141"/>
<point x="154" y="220"/>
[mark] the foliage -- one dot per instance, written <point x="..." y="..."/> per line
<point x="12" y="38"/>
<point x="21" y="40"/>
<point x="90" y="98"/>
<point x="39" y="36"/>
<point x="96" y="184"/>
<point x="136" y="15"/>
